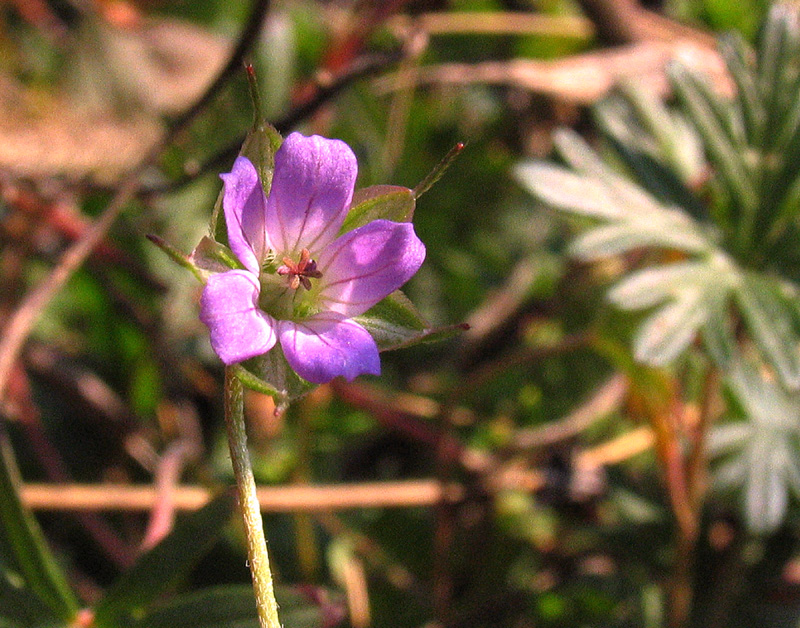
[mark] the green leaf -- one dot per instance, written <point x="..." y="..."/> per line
<point x="166" y="564"/>
<point x="388" y="202"/>
<point x="30" y="554"/>
<point x="21" y="605"/>
<point x="230" y="606"/>
<point x="233" y="606"/>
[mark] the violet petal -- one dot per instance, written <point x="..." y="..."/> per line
<point x="244" y="204"/>
<point x="229" y="307"/>
<point x="367" y="264"/>
<point x="311" y="191"/>
<point x="327" y="345"/>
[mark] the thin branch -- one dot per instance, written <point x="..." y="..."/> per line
<point x="606" y="399"/>
<point x="271" y="499"/>
<point x="496" y="23"/>
<point x="580" y="79"/>
<point x="26" y="315"/>
<point x="364" y="66"/>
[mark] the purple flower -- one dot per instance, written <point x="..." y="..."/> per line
<point x="302" y="282"/>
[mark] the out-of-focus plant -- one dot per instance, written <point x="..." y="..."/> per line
<point x="700" y="204"/>
<point x="707" y="220"/>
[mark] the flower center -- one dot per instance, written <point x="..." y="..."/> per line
<point x="301" y="273"/>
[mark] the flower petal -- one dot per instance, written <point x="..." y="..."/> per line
<point x="311" y="192"/>
<point x="326" y="345"/>
<point x="239" y="329"/>
<point x="245" y="205"/>
<point x="367" y="264"/>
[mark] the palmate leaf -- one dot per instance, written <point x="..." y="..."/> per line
<point x="753" y="139"/>
<point x="632" y="218"/>
<point x="659" y="146"/>
<point x="769" y="318"/>
<point x="739" y="245"/>
<point x="721" y="136"/>
<point x="758" y="452"/>
<point x="693" y="296"/>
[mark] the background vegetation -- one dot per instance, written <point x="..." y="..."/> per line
<point x="615" y="441"/>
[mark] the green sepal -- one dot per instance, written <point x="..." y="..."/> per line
<point x="438" y="170"/>
<point x="27" y="551"/>
<point x="166" y="564"/>
<point x="263" y="140"/>
<point x="209" y="256"/>
<point x="395" y="323"/>
<point x="388" y="202"/>
<point x="271" y="375"/>
<point x="179" y="257"/>
<point x="259" y="146"/>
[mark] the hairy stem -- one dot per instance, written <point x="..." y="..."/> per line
<point x="258" y="559"/>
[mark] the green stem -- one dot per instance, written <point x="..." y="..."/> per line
<point x="258" y="559"/>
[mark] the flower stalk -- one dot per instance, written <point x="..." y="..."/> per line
<point x="257" y="556"/>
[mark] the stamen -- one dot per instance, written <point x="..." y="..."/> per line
<point x="300" y="273"/>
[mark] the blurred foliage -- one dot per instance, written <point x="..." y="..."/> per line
<point x="660" y="342"/>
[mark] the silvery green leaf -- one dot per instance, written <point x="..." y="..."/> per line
<point x="628" y="196"/>
<point x="704" y="113"/>
<point x="738" y="59"/>
<point x="617" y="238"/>
<point x="568" y="191"/>
<point x="725" y="438"/>
<point x="730" y="475"/>
<point x="770" y="321"/>
<point x="766" y="497"/>
<point x="762" y="448"/>
<point x="648" y="287"/>
<point x="792" y="474"/>
<point x="669" y="331"/>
